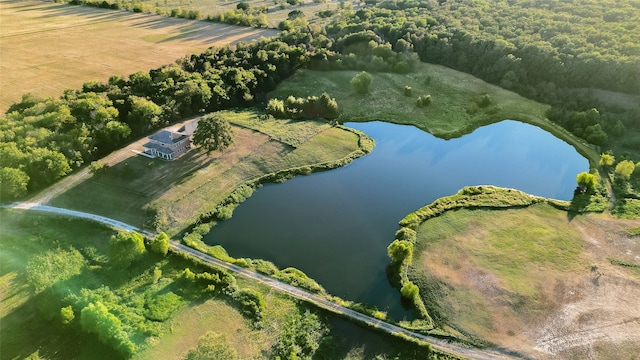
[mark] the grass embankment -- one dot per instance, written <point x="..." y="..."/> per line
<point x="498" y="265"/>
<point x="31" y="321"/>
<point x="178" y="192"/>
<point x="48" y="47"/>
<point x="453" y="111"/>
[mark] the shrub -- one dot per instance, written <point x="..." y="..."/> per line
<point x="297" y="278"/>
<point x="624" y="169"/>
<point x="400" y="252"/>
<point x="244" y="6"/>
<point x="96" y="318"/>
<point x="275" y="107"/>
<point x="98" y="167"/>
<point x="160" y="244"/>
<point x="361" y="82"/>
<point x="212" y="346"/>
<point x="483" y="100"/>
<point x="424" y="100"/>
<point x="46" y="269"/>
<point x="161" y="307"/>
<point x="301" y="337"/>
<point x="224" y="212"/>
<point x="125" y="247"/>
<point x="252" y="302"/>
<point x="409" y="291"/>
<point x="406" y="234"/>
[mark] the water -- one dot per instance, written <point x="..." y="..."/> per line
<point x="336" y="225"/>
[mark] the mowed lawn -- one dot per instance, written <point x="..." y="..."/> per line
<point x="47" y="47"/>
<point x="179" y="191"/>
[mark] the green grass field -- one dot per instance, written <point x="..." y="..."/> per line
<point x="507" y="243"/>
<point x="26" y="331"/>
<point x="181" y="190"/>
<point x="451" y="114"/>
<point x="501" y="275"/>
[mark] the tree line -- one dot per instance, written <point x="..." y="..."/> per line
<point x="42" y="140"/>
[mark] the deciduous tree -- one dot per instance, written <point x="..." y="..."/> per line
<point x="624" y="169"/>
<point x="585" y="180"/>
<point x="160" y="244"/>
<point x="13" y="183"/>
<point x="400" y="252"/>
<point x="606" y="159"/>
<point x="213" y="133"/>
<point x="125" y="247"/>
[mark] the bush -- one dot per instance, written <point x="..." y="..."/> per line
<point x="407" y="90"/>
<point x="160" y="244"/>
<point x="297" y="278"/>
<point x="125" y="247"/>
<point x="243" y="6"/>
<point x="361" y="82"/>
<point x="161" y="307"/>
<point x="301" y="337"/>
<point x="400" y="252"/>
<point x="96" y="318"/>
<point x="275" y="107"/>
<point x="212" y="346"/>
<point x="423" y="101"/>
<point x="46" y="269"/>
<point x="409" y="291"/>
<point x="252" y="302"/>
<point x="98" y="167"/>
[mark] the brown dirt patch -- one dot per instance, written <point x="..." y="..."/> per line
<point x="586" y="311"/>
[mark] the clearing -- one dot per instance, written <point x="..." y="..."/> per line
<point x="136" y="189"/>
<point x="48" y="47"/>
<point x="534" y="280"/>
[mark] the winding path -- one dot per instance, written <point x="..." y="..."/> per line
<point x="298" y="293"/>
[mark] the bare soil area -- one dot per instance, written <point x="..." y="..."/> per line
<point x="47" y="47"/>
<point x="588" y="309"/>
<point x="599" y="316"/>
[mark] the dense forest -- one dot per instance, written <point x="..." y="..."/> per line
<point x="555" y="52"/>
<point x="551" y="51"/>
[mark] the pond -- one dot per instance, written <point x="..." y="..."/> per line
<point x="336" y="225"/>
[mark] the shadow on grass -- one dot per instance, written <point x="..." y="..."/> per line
<point x="25" y="331"/>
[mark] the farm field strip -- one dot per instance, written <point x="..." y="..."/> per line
<point x="49" y="47"/>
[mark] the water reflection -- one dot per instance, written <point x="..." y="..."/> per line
<point x="336" y="225"/>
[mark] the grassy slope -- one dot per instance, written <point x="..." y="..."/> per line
<point x="48" y="47"/>
<point x="23" y="332"/>
<point x="452" y="94"/>
<point x="25" y="234"/>
<point x="183" y="189"/>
